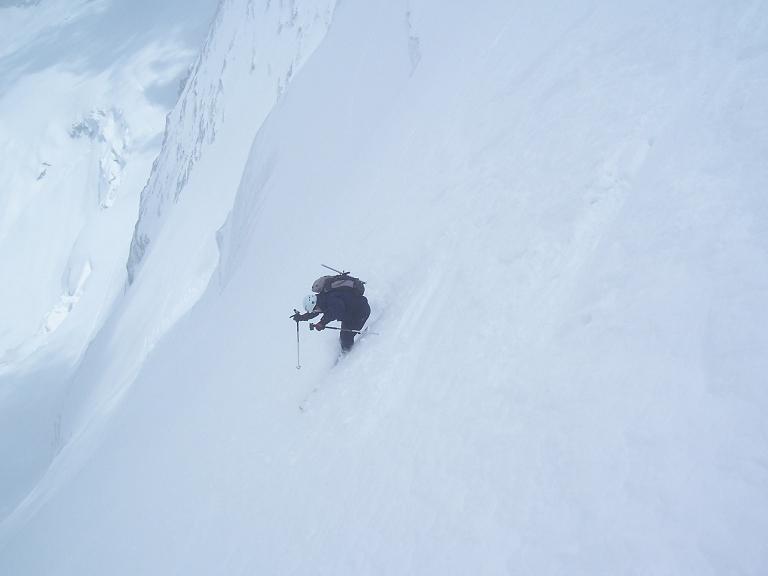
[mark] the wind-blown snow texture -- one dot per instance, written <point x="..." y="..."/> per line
<point x="561" y="216"/>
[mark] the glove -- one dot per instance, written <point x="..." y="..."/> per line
<point x="319" y="326"/>
<point x="297" y="317"/>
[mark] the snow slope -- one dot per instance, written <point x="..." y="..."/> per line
<point x="84" y="90"/>
<point x="560" y="213"/>
<point x="251" y="53"/>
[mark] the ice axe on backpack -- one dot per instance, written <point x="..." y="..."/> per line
<point x="334" y="270"/>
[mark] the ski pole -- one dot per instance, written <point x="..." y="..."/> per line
<point x="298" y="353"/>
<point x="366" y="331"/>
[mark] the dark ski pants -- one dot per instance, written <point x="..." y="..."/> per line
<point x="355" y="320"/>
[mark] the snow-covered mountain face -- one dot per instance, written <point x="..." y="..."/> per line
<point x="252" y="53"/>
<point x="560" y="214"/>
<point x="84" y="90"/>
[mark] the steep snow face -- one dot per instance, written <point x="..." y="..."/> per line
<point x="560" y="214"/>
<point x="248" y="60"/>
<point x="252" y="53"/>
<point x="84" y="89"/>
<point x="251" y="56"/>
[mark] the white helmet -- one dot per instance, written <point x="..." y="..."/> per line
<point x="310" y="301"/>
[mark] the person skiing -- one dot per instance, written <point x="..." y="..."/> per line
<point x="343" y="303"/>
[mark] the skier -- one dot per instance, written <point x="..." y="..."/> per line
<point x="343" y="303"/>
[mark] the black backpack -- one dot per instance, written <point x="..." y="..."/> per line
<point x="326" y="283"/>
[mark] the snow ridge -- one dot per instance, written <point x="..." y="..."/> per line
<point x="278" y="37"/>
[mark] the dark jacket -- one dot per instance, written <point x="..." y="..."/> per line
<point x="343" y="304"/>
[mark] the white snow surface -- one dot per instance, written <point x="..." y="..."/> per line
<point x="561" y="215"/>
<point x="84" y="89"/>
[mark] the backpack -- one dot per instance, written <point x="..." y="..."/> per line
<point x="326" y="283"/>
